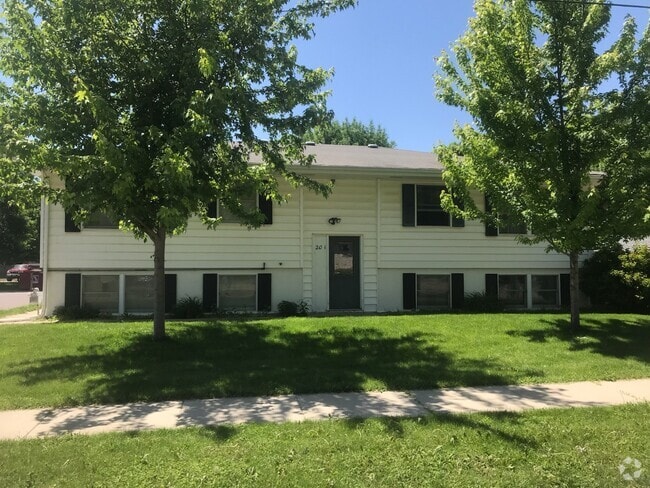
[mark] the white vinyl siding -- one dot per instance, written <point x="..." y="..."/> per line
<point x="450" y="248"/>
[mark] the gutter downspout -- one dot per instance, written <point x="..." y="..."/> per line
<point x="44" y="251"/>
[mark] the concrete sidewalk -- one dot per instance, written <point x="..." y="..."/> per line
<point x="25" y="424"/>
<point x="22" y="318"/>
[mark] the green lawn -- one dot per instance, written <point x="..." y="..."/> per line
<point x="59" y="364"/>
<point x="579" y="447"/>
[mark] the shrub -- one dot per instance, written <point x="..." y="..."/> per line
<point x="480" y="302"/>
<point x="76" y="313"/>
<point x="287" y="308"/>
<point x="188" y="308"/>
<point x="292" y="309"/>
<point x="618" y="279"/>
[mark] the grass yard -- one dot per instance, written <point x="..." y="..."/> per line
<point x="579" y="447"/>
<point x="63" y="364"/>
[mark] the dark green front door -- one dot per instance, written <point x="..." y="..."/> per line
<point x="345" y="289"/>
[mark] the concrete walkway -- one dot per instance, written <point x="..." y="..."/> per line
<point x="21" y="318"/>
<point x="25" y="424"/>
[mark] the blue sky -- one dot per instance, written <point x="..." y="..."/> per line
<point x="382" y="52"/>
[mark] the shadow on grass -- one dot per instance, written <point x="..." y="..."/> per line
<point x="608" y="337"/>
<point x="206" y="360"/>
<point x="499" y="424"/>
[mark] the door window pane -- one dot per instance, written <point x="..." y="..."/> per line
<point x="343" y="259"/>
<point x="138" y="294"/>
<point x="545" y="290"/>
<point x="100" y="292"/>
<point x="432" y="291"/>
<point x="238" y="292"/>
<point x="512" y="290"/>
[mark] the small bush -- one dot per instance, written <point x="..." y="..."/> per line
<point x="618" y="279"/>
<point x="480" y="302"/>
<point x="287" y="308"/>
<point x="188" y="308"/>
<point x="292" y="309"/>
<point x="76" y="313"/>
<point x="303" y="308"/>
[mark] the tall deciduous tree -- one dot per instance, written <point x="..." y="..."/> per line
<point x="348" y="132"/>
<point x="148" y="110"/>
<point x="560" y="138"/>
<point x="19" y="232"/>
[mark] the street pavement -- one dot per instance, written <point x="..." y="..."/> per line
<point x="13" y="299"/>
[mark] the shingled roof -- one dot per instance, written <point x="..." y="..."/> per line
<point x="340" y="156"/>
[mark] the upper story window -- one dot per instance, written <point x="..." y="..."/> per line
<point x="428" y="208"/>
<point x="421" y="207"/>
<point x="96" y="220"/>
<point x="510" y="226"/>
<point x="248" y="203"/>
<point x="216" y="209"/>
<point x="100" y="220"/>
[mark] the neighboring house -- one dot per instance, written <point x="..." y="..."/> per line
<point x="381" y="242"/>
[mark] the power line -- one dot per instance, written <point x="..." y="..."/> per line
<point x="592" y="2"/>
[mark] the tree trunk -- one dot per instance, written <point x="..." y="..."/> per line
<point x="574" y="285"/>
<point x="159" y="286"/>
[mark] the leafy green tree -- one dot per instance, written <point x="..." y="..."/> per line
<point x="618" y="279"/>
<point x="19" y="232"/>
<point x="547" y="110"/>
<point x="148" y="110"/>
<point x="348" y="132"/>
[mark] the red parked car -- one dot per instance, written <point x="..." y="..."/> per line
<point x="17" y="269"/>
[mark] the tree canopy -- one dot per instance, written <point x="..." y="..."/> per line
<point x="148" y="110"/>
<point x="354" y="133"/>
<point x="560" y="139"/>
<point x="19" y="232"/>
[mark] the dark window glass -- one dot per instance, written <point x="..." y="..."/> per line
<point x="238" y="292"/>
<point x="101" y="292"/>
<point x="100" y="220"/>
<point x="512" y="290"/>
<point x="248" y="202"/>
<point x="545" y="290"/>
<point x="432" y="291"/>
<point x="429" y="211"/>
<point x="138" y="294"/>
